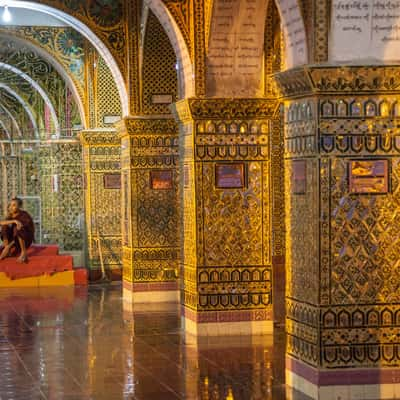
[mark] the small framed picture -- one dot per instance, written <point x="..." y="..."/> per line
<point x="230" y="176"/>
<point x="369" y="176"/>
<point x="161" y="98"/>
<point x="186" y="176"/>
<point x="161" y="179"/>
<point x="112" y="181"/>
<point x="299" y="176"/>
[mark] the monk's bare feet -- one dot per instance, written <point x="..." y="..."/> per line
<point x="23" y="258"/>
<point x="6" y="251"/>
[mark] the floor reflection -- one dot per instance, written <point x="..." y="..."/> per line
<point x="85" y="344"/>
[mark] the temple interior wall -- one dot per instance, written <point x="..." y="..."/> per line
<point x="279" y="173"/>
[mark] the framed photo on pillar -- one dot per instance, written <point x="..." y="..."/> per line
<point x="299" y="176"/>
<point x="186" y="176"/>
<point x="112" y="181"/>
<point x="369" y="176"/>
<point x="161" y="179"/>
<point x="230" y="176"/>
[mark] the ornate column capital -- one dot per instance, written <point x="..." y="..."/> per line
<point x="146" y="125"/>
<point x="224" y="109"/>
<point x="334" y="79"/>
<point x="99" y="137"/>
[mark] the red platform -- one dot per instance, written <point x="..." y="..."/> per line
<point x="42" y="260"/>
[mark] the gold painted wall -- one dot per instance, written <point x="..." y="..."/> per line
<point x="159" y="76"/>
<point x="49" y="180"/>
<point x="61" y="193"/>
<point x="107" y="101"/>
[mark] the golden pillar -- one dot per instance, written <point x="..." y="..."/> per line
<point x="150" y="187"/>
<point x="102" y="187"/>
<point x="342" y="170"/>
<point x="226" y="214"/>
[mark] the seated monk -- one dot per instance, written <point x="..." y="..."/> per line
<point x="17" y="231"/>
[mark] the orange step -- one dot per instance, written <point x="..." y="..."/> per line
<point x="45" y="267"/>
<point x="36" y="266"/>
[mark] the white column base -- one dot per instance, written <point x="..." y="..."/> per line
<point x="227" y="328"/>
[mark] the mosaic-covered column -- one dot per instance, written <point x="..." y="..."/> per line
<point x="342" y="169"/>
<point x="102" y="186"/>
<point x="226" y="215"/>
<point x="150" y="187"/>
<point x="60" y="196"/>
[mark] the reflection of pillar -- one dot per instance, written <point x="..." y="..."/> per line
<point x="247" y="362"/>
<point x="342" y="256"/>
<point x="102" y="185"/>
<point x="150" y="199"/>
<point x="101" y="378"/>
<point x="161" y="362"/>
<point x="226" y="215"/>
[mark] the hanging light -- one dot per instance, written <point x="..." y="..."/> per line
<point x="6" y="14"/>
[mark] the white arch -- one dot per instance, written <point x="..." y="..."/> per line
<point x="37" y="87"/>
<point x="14" y="121"/>
<point x="24" y="105"/>
<point x="88" y="33"/>
<point x="294" y="32"/>
<point x="58" y="67"/>
<point x="185" y="67"/>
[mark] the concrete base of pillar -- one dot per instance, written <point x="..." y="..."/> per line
<point x="227" y="342"/>
<point x="343" y="384"/>
<point x="151" y="293"/>
<point x="223" y="323"/>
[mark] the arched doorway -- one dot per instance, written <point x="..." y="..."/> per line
<point x="55" y="84"/>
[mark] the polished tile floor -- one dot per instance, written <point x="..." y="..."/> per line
<point x="86" y="344"/>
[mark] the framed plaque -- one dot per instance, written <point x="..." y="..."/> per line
<point x="161" y="98"/>
<point x="230" y="176"/>
<point x="55" y="183"/>
<point x="161" y="179"/>
<point x="299" y="176"/>
<point x="186" y="177"/>
<point x="112" y="181"/>
<point x="369" y="176"/>
<point x="111" y="119"/>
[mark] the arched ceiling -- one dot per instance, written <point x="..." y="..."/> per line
<point x="6" y="115"/>
<point x="23" y="17"/>
<point x="21" y="112"/>
<point x="42" y="65"/>
<point x="22" y="82"/>
<point x="29" y="74"/>
<point x="89" y="19"/>
<point x="63" y="48"/>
